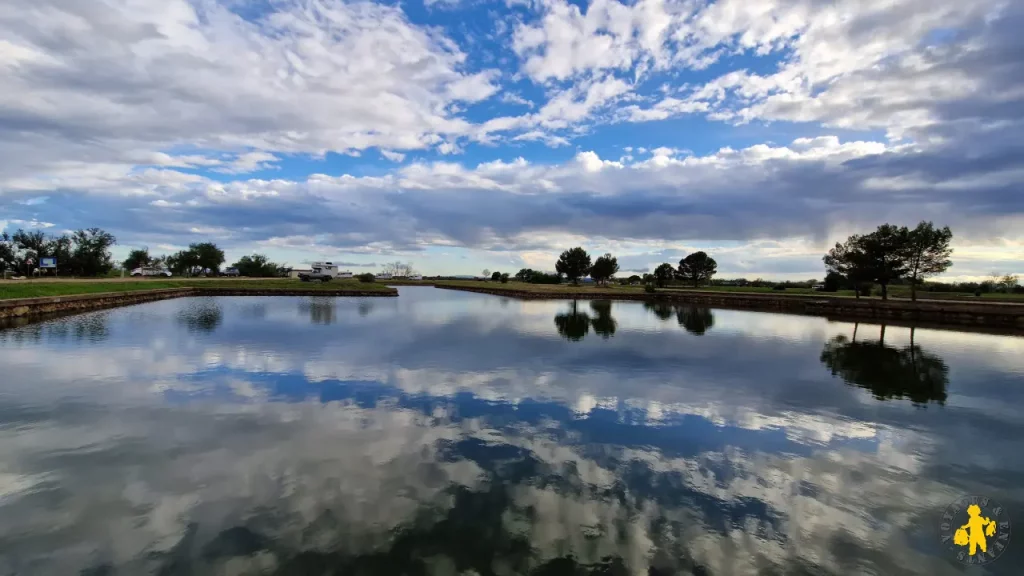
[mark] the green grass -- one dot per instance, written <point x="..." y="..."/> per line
<point x="31" y="289"/>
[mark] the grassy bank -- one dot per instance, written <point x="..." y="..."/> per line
<point x="37" y="289"/>
<point x="895" y="293"/>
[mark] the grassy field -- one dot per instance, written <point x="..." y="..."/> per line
<point x="36" y="289"/>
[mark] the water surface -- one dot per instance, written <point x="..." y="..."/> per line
<point x="453" y="433"/>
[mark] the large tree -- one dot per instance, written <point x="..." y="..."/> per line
<point x="256" y="266"/>
<point x="92" y="251"/>
<point x="663" y="274"/>
<point x="697" y="267"/>
<point x="604" y="268"/>
<point x="136" y="259"/>
<point x="574" y="263"/>
<point x="199" y="258"/>
<point x="926" y="252"/>
<point x="208" y="256"/>
<point x="847" y="260"/>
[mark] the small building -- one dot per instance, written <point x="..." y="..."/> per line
<point x="416" y="277"/>
<point x="383" y="276"/>
<point x="296" y="271"/>
<point x="344" y="274"/>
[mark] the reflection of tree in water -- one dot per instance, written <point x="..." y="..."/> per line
<point x="320" y="309"/>
<point x="888" y="372"/>
<point x="603" y="324"/>
<point x="573" y="325"/>
<point x="694" y="319"/>
<point x="90" y="327"/>
<point x="365" y="308"/>
<point x="201" y="316"/>
<point x="663" y="310"/>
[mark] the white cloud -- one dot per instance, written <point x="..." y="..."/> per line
<point x="392" y="155"/>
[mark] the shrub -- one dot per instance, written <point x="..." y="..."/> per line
<point x="504" y="278"/>
<point x="366" y="277"/>
<point x="649" y="288"/>
<point x="866" y="289"/>
<point x="978" y="293"/>
<point x="779" y="287"/>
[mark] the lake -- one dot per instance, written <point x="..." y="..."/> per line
<point x="448" y="433"/>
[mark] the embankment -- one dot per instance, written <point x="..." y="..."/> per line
<point x="994" y="315"/>
<point x="19" y="307"/>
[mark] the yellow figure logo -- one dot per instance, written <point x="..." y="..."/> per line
<point x="979" y="524"/>
<point x="975" y="531"/>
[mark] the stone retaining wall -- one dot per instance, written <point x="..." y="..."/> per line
<point x="1003" y="316"/>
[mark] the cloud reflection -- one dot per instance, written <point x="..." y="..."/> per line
<point x="435" y="438"/>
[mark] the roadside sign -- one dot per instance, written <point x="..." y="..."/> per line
<point x="47" y="262"/>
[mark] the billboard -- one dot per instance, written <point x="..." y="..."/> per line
<point x="47" y="262"/>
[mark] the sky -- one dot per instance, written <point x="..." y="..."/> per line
<point x="460" y="135"/>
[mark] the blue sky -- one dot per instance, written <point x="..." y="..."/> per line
<point x="460" y="134"/>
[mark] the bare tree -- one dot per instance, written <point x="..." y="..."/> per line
<point x="399" y="269"/>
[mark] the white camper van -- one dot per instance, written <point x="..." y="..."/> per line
<point x="322" y="271"/>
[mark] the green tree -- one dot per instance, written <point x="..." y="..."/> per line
<point x="663" y="274"/>
<point x="604" y="268"/>
<point x="256" y="266"/>
<point x="136" y="259"/>
<point x="31" y="245"/>
<point x="847" y="259"/>
<point x="697" y="267"/>
<point x="884" y="253"/>
<point x="496" y="276"/>
<point x="92" y="251"/>
<point x="634" y="279"/>
<point x="833" y="280"/>
<point x="524" y="275"/>
<point x="503" y="278"/>
<point x="208" y="256"/>
<point x="926" y="252"/>
<point x="574" y="263"/>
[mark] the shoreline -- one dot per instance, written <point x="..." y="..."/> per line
<point x="25" y="307"/>
<point x="1001" y="316"/>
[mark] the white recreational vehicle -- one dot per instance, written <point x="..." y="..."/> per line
<point x="322" y="271"/>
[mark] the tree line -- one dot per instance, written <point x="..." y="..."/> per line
<point x="204" y="258"/>
<point x="576" y="264"/>
<point x="80" y="253"/>
<point x="890" y="254"/>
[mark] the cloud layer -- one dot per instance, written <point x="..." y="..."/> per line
<point x="149" y="118"/>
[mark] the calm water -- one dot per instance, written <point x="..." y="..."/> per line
<point x="453" y="433"/>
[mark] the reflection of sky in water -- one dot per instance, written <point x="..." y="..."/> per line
<point x="442" y="432"/>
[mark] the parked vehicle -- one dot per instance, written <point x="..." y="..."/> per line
<point x="818" y="287"/>
<point x="231" y="272"/>
<point x="322" y="271"/>
<point x="151" y="271"/>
